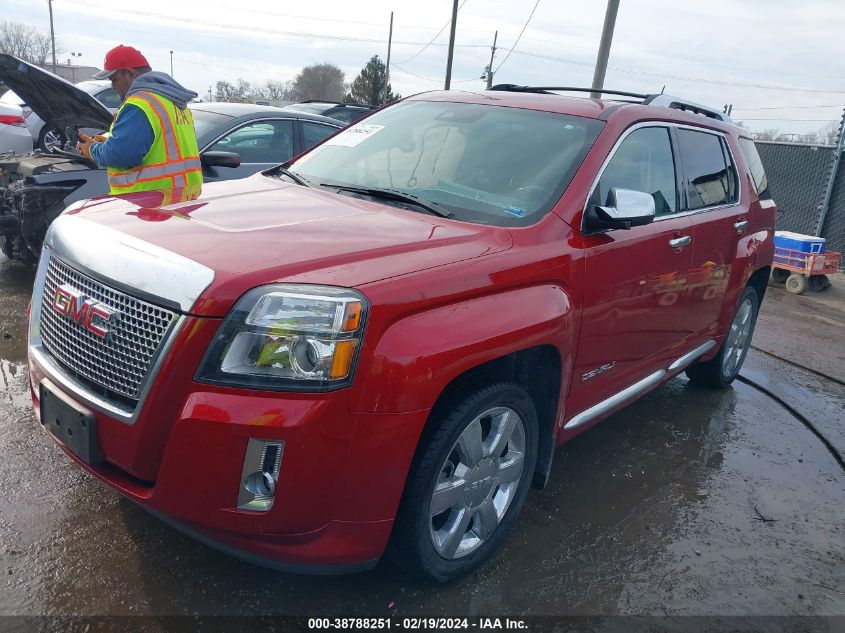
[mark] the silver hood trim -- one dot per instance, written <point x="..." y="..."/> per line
<point x="142" y="269"/>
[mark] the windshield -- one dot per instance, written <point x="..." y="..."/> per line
<point x="205" y="122"/>
<point x="486" y="164"/>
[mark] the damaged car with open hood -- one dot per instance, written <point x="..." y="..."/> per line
<point x="235" y="140"/>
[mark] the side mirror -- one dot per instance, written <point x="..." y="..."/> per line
<point x="625" y="208"/>
<point x="221" y="159"/>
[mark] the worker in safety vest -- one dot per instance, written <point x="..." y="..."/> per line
<point x="151" y="144"/>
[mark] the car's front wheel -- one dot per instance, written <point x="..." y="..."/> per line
<point x="468" y="482"/>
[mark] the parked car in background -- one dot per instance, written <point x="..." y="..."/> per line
<point x="235" y="140"/>
<point x="49" y="136"/>
<point x="14" y="135"/>
<point x="378" y="346"/>
<point x="346" y="112"/>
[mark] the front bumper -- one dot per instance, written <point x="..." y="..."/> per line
<point x="339" y="485"/>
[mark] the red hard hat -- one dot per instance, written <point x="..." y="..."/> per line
<point x="121" y="58"/>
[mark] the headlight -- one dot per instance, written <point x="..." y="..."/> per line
<point x="288" y="337"/>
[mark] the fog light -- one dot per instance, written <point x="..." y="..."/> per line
<point x="259" y="475"/>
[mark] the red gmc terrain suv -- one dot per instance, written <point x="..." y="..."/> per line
<point x="378" y="346"/>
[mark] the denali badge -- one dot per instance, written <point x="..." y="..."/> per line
<point x="599" y="370"/>
<point x="89" y="313"/>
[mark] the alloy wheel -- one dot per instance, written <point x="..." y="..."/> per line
<point x="477" y="482"/>
<point x="739" y="338"/>
<point x="52" y="140"/>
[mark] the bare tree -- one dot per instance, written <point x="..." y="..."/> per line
<point x="319" y="81"/>
<point x="279" y="91"/>
<point x="228" y="91"/>
<point x="223" y="91"/>
<point x="771" y="134"/>
<point x="829" y="134"/>
<point x="25" y="42"/>
<point x="810" y="138"/>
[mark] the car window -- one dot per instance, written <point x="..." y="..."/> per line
<point x="205" y="123"/>
<point x="755" y="165"/>
<point x="108" y="98"/>
<point x="313" y="133"/>
<point x="259" y="142"/>
<point x="342" y="113"/>
<point x="642" y="162"/>
<point x="707" y="178"/>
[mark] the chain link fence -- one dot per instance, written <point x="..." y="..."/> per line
<point x="798" y="179"/>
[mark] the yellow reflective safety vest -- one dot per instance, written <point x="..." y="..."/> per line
<point x="173" y="159"/>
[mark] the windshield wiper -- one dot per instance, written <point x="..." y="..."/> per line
<point x="284" y="171"/>
<point x="393" y="194"/>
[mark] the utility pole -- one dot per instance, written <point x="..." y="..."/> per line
<point x="451" y="45"/>
<point x="52" y="34"/>
<point x="490" y="67"/>
<point x="389" y="44"/>
<point x="171" y="63"/>
<point x="604" y="48"/>
<point x="210" y="98"/>
<point x="76" y="57"/>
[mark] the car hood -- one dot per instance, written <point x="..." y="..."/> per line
<point x="260" y="230"/>
<point x="52" y="98"/>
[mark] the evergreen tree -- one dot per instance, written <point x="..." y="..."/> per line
<point x="371" y="85"/>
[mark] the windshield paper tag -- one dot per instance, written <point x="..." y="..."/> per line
<point x="352" y="136"/>
<point x="516" y="211"/>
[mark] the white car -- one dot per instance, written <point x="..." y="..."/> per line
<point x="50" y="137"/>
<point x="14" y="135"/>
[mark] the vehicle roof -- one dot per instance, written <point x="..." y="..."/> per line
<point x="242" y="109"/>
<point x="311" y="102"/>
<point x="94" y="82"/>
<point x="577" y="106"/>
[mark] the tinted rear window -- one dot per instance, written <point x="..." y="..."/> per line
<point x="755" y="165"/>
<point x="708" y="178"/>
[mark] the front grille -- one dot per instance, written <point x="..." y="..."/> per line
<point x="116" y="365"/>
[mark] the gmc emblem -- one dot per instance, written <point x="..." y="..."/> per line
<point x="89" y="313"/>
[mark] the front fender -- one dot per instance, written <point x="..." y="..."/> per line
<point x="419" y="355"/>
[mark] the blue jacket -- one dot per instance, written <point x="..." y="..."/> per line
<point x="131" y="139"/>
<point x="132" y="135"/>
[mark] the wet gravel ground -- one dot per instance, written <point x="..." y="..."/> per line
<point x="688" y="502"/>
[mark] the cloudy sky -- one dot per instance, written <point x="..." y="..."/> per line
<point x="779" y="62"/>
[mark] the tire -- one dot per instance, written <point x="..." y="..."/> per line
<point x="480" y="507"/>
<point x="796" y="284"/>
<point x="779" y="275"/>
<point x="721" y="371"/>
<point x="50" y="137"/>
<point x="818" y="283"/>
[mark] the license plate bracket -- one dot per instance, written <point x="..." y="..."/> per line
<point x="73" y="425"/>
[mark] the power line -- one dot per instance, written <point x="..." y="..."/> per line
<point x="525" y="26"/>
<point x="442" y="28"/>
<point x="254" y="29"/>
<point x="800" y="107"/>
<point x="789" y="120"/>
<point x="645" y="73"/>
<point x="408" y="72"/>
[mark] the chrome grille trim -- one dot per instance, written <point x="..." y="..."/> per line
<point x="115" y="369"/>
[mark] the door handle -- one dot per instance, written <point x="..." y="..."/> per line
<point x="740" y="226"/>
<point x="680" y="242"/>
